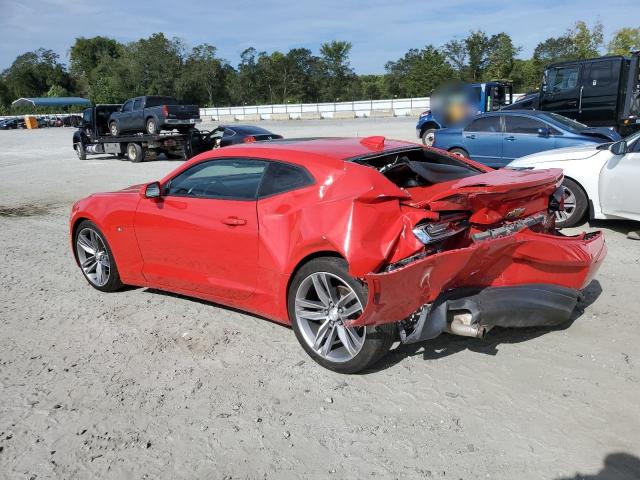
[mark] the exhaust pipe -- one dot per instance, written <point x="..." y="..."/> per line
<point x="461" y="325"/>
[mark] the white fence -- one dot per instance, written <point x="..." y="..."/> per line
<point x="361" y="108"/>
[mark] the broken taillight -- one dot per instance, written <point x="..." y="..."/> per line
<point x="165" y="111"/>
<point x="249" y="139"/>
<point x="433" y="232"/>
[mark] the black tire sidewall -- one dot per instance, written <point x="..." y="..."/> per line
<point x="139" y="153"/>
<point x="111" y="125"/>
<point x="81" y="151"/>
<point x="114" y="282"/>
<point x="378" y="339"/>
<point x="424" y="136"/>
<point x="582" y="205"/>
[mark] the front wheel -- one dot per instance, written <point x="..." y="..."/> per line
<point x="429" y="136"/>
<point x="113" y="128"/>
<point x="576" y="204"/>
<point x="81" y="152"/>
<point x="95" y="258"/>
<point x="322" y="298"/>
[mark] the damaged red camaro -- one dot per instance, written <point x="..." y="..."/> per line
<point x="353" y="242"/>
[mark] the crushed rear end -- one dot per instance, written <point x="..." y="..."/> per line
<point x="478" y="251"/>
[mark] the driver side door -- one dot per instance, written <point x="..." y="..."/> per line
<point x="619" y="180"/>
<point x="201" y="235"/>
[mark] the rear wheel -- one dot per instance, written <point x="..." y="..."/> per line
<point x="134" y="152"/>
<point x="152" y="126"/>
<point x="95" y="258"/>
<point x="322" y="298"/>
<point x="576" y="204"/>
<point x="459" y="151"/>
<point x="429" y="136"/>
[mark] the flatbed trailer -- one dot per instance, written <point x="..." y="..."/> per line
<point x="93" y="138"/>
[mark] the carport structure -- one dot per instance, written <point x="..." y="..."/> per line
<point x="50" y="102"/>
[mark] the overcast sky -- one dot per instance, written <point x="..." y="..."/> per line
<point x="379" y="30"/>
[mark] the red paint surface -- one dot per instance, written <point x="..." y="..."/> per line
<point x="198" y="247"/>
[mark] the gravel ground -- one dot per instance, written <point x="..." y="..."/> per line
<point x="144" y="384"/>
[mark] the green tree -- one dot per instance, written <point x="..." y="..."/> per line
<point x="418" y="72"/>
<point x="478" y="46"/>
<point x="203" y="77"/>
<point x="32" y="74"/>
<point x="337" y="72"/>
<point x="501" y="57"/>
<point x="587" y="42"/>
<point x="455" y="51"/>
<point x="624" y="41"/>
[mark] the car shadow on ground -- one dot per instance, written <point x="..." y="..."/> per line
<point x="620" y="226"/>
<point x="441" y="346"/>
<point x="446" y="344"/>
<point x="617" y="466"/>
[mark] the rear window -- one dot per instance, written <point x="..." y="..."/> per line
<point x="157" y="101"/>
<point x="281" y="177"/>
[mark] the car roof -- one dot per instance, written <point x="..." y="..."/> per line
<point x="304" y="150"/>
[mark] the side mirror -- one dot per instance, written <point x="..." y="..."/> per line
<point x="543" y="132"/>
<point x="619" y="148"/>
<point x="152" y="190"/>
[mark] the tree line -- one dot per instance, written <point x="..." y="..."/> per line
<point x="107" y="71"/>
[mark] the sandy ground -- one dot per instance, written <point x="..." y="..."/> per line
<point x="143" y="384"/>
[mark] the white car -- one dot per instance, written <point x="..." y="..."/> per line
<point x="602" y="181"/>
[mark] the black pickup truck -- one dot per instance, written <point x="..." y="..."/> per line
<point x="151" y="114"/>
<point x="599" y="92"/>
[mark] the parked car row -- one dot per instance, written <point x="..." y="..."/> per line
<point x="43" y="121"/>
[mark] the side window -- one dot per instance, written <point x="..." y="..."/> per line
<point x="485" y="124"/>
<point x="127" y="106"/>
<point x="281" y="177"/>
<point x="517" y="124"/>
<point x="562" y="79"/>
<point x="602" y="76"/>
<point x="137" y="105"/>
<point x="86" y="116"/>
<point x="231" y="179"/>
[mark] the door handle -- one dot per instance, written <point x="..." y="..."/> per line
<point x="573" y="103"/>
<point x="511" y="139"/>
<point x="472" y="136"/>
<point x="234" y="221"/>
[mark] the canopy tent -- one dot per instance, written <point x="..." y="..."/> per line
<point x="50" y="102"/>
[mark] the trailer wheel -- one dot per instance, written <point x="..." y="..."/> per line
<point x="80" y="151"/>
<point x="134" y="152"/>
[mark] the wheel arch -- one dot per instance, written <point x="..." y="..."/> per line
<point x="429" y="125"/>
<point x="306" y="259"/>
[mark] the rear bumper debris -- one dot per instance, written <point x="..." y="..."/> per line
<point x="536" y="262"/>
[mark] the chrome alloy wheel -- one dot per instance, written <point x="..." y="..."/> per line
<point x="93" y="257"/>
<point x="569" y="206"/>
<point x="322" y="305"/>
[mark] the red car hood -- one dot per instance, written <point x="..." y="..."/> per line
<point x="491" y="197"/>
<point x="131" y="189"/>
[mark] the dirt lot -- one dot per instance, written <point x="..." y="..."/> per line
<point x="143" y="384"/>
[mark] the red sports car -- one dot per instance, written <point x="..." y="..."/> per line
<point x="353" y="242"/>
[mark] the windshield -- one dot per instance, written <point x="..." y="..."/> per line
<point x="567" y="122"/>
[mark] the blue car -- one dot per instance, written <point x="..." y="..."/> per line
<point x="497" y="138"/>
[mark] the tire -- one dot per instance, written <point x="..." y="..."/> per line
<point x="113" y="129"/>
<point x="151" y="126"/>
<point x="87" y="239"/>
<point x="576" y="205"/>
<point x="81" y="152"/>
<point x="459" y="151"/>
<point x="428" y="136"/>
<point x="368" y="344"/>
<point x="134" y="153"/>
